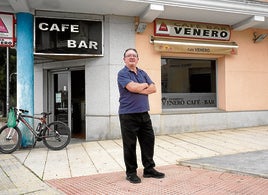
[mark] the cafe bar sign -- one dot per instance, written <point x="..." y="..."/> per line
<point x="73" y="37"/>
<point x="191" y="30"/>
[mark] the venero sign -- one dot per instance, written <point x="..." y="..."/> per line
<point x="68" y="37"/>
<point x="192" y="30"/>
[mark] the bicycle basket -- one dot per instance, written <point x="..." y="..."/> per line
<point x="11" y="120"/>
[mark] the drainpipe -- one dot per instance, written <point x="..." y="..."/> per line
<point x="7" y="89"/>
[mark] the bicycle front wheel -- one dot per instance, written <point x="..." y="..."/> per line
<point x="56" y="135"/>
<point x="10" y="139"/>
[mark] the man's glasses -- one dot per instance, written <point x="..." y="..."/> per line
<point x="131" y="56"/>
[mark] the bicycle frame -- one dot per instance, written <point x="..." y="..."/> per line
<point x="21" y="117"/>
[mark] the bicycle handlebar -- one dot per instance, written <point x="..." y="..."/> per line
<point x="21" y="110"/>
<point x="26" y="111"/>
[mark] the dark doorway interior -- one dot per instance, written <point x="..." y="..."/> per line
<point x="78" y="103"/>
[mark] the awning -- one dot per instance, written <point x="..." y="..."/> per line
<point x="194" y="46"/>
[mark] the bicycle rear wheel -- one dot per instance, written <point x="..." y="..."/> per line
<point x="10" y="139"/>
<point x="57" y="135"/>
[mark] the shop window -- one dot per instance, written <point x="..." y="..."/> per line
<point x="188" y="83"/>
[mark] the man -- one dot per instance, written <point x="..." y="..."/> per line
<point x="134" y="87"/>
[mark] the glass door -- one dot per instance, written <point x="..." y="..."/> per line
<point x="67" y="99"/>
<point x="61" y="91"/>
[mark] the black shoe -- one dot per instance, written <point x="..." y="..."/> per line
<point x="133" y="178"/>
<point x="153" y="173"/>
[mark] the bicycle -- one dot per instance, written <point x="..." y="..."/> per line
<point x="55" y="135"/>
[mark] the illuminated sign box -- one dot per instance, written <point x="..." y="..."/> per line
<point x="191" y="30"/>
<point x="190" y="46"/>
<point x="192" y="37"/>
<point x="68" y="37"/>
<point x="7" y="34"/>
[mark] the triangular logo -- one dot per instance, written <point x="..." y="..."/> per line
<point x="233" y="51"/>
<point x="3" y="28"/>
<point x="163" y="27"/>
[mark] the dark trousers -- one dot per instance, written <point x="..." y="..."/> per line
<point x="139" y="126"/>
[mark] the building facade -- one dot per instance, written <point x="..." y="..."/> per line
<point x="209" y="62"/>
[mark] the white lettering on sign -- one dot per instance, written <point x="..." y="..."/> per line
<point x="200" y="32"/>
<point x="68" y="36"/>
<point x="82" y="44"/>
<point x="74" y="28"/>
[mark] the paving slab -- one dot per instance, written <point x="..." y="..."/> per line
<point x="253" y="163"/>
<point x="17" y="179"/>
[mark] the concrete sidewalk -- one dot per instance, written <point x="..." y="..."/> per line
<point x="182" y="157"/>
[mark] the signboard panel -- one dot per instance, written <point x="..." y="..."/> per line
<point x="192" y="30"/>
<point x="68" y="37"/>
<point x="188" y="100"/>
<point x="195" y="47"/>
<point x="7" y="34"/>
